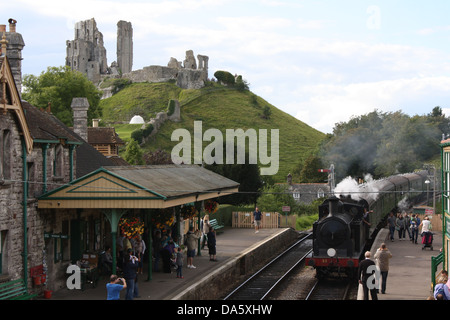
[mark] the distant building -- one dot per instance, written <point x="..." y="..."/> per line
<point x="306" y="193"/>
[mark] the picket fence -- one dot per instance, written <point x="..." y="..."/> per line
<point x="268" y="220"/>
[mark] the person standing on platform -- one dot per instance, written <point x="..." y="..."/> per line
<point x="366" y="272"/>
<point x="179" y="262"/>
<point x="407" y="224"/>
<point x="382" y="257"/>
<point x="205" y="230"/>
<point x="212" y="244"/>
<point x="400" y="226"/>
<point x="391" y="224"/>
<point x="114" y="287"/>
<point x="257" y="219"/>
<point x="415" y="222"/>
<point x="191" y="243"/>
<point x="130" y="274"/>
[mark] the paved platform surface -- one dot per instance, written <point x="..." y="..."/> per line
<point x="409" y="276"/>
<point x="164" y="286"/>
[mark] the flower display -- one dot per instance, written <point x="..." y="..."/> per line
<point x="163" y="218"/>
<point x="188" y="212"/>
<point x="131" y="227"/>
<point x="211" y="206"/>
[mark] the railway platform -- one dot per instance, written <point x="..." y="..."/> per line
<point x="409" y="276"/>
<point x="240" y="247"/>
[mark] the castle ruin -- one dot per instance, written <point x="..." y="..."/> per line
<point x="87" y="54"/>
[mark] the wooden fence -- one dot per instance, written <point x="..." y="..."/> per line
<point x="268" y="220"/>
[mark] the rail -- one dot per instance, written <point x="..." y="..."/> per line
<point x="331" y="289"/>
<point x="261" y="283"/>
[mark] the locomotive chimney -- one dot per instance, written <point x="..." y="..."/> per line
<point x="333" y="203"/>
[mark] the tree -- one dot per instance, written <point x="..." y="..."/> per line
<point x="133" y="153"/>
<point x="273" y="199"/>
<point x="58" y="86"/>
<point x="383" y="144"/>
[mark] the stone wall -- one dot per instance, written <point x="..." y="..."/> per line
<point x="214" y="285"/>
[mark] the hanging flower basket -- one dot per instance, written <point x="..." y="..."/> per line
<point x="163" y="218"/>
<point x="131" y="227"/>
<point x="188" y="212"/>
<point x="211" y="206"/>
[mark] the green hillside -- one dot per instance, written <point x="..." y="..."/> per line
<point x="216" y="107"/>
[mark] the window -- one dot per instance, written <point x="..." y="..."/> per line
<point x="296" y="195"/>
<point x="5" y="155"/>
<point x="58" y="161"/>
<point x="3" y="252"/>
<point x="320" y="193"/>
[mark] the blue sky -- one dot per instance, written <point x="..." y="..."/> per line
<point x="320" y="61"/>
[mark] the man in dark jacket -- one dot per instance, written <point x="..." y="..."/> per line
<point x="129" y="273"/>
<point x="366" y="275"/>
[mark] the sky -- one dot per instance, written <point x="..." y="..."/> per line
<point x="321" y="61"/>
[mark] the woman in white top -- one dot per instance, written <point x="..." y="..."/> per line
<point x="426" y="225"/>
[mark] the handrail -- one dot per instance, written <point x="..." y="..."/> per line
<point x="435" y="262"/>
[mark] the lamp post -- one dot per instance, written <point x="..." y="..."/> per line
<point x="427" y="182"/>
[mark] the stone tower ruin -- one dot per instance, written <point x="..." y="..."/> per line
<point x="124" y="46"/>
<point x="87" y="54"/>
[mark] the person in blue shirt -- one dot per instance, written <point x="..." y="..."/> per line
<point x="257" y="219"/>
<point x="114" y="287"/>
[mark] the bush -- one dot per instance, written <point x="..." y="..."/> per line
<point x="225" y="77"/>
<point x="171" y="107"/>
<point x="305" y="222"/>
<point x="137" y="135"/>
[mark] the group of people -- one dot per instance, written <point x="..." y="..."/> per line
<point x="131" y="265"/>
<point x="165" y="248"/>
<point x="403" y="223"/>
<point x="170" y="252"/>
<point x="130" y="261"/>
<point x="366" y="272"/>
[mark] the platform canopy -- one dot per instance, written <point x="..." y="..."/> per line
<point x="139" y="187"/>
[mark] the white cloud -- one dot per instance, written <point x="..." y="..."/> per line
<point x="327" y="105"/>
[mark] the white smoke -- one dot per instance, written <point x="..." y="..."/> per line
<point x="350" y="187"/>
<point x="403" y="204"/>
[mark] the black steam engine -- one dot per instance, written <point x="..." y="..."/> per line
<point x="340" y="236"/>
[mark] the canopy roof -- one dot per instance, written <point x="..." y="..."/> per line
<point x="139" y="187"/>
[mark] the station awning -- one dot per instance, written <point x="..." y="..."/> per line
<point x="139" y="187"/>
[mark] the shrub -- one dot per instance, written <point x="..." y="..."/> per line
<point x="225" y="77"/>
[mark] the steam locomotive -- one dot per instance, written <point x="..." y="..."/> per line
<point x="340" y="236"/>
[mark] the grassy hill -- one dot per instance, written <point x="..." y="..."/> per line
<point x="217" y="107"/>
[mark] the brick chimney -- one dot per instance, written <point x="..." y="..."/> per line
<point x="14" y="51"/>
<point x="80" y="107"/>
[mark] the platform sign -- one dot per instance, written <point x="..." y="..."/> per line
<point x="429" y="211"/>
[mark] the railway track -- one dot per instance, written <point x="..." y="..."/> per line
<point x="330" y="289"/>
<point x="260" y="284"/>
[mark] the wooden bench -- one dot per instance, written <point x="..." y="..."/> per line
<point x="15" y="290"/>
<point x="215" y="224"/>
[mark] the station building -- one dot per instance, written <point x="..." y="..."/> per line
<point x="60" y="198"/>
<point x="444" y="257"/>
